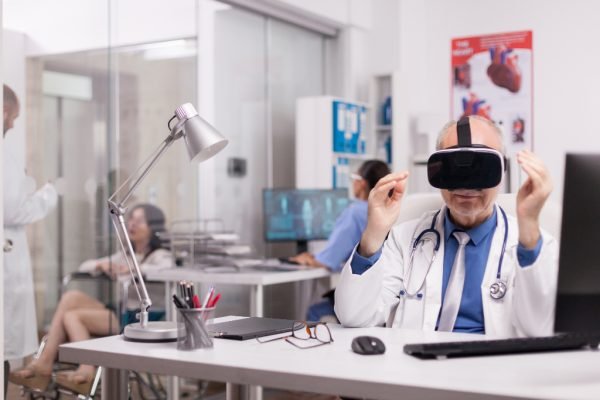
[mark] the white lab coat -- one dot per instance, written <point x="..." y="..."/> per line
<point x="372" y="298"/>
<point x="21" y="207"/>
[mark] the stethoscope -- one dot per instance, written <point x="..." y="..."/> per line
<point x="497" y="289"/>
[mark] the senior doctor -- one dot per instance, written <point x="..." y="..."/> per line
<point x="500" y="281"/>
<point x="22" y="206"/>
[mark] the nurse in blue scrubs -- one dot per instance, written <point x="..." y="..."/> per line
<point x="346" y="232"/>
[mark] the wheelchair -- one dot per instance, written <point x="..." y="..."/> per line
<point x="148" y="386"/>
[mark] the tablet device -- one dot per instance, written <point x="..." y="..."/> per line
<point x="249" y="328"/>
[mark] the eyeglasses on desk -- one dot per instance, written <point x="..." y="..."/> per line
<point x="303" y="332"/>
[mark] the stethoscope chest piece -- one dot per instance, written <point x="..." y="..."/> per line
<point x="498" y="290"/>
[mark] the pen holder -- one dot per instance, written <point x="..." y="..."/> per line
<point x="191" y="328"/>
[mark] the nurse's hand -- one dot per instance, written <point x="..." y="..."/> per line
<point x="531" y="197"/>
<point x="384" y="208"/>
<point x="305" y="258"/>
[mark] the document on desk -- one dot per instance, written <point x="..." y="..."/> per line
<point x="250" y="328"/>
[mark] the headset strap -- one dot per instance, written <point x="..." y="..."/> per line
<point x="464" y="132"/>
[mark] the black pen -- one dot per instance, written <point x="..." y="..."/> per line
<point x="189" y="294"/>
<point x="181" y="288"/>
<point x="185" y="294"/>
<point x="179" y="303"/>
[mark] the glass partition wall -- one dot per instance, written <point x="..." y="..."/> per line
<point x="67" y="131"/>
<point x="95" y="114"/>
<point x="93" y="148"/>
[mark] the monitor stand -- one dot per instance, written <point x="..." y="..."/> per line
<point x="301" y="246"/>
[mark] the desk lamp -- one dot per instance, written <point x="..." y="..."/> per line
<point x="202" y="142"/>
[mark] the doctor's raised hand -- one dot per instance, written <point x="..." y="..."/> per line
<point x="531" y="197"/>
<point x="384" y="207"/>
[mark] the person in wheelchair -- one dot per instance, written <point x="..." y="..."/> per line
<point x="79" y="316"/>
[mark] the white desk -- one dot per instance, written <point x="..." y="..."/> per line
<point x="335" y="369"/>
<point x="257" y="280"/>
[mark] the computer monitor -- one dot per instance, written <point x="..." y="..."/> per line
<point x="578" y="296"/>
<point x="301" y="214"/>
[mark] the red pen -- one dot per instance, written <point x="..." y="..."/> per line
<point x="214" y="301"/>
<point x="196" y="301"/>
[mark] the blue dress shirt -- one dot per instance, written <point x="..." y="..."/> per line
<point x="470" y="314"/>
<point x="346" y="233"/>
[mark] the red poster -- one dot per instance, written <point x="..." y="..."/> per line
<point x="492" y="76"/>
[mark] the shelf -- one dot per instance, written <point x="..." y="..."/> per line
<point x="329" y="140"/>
<point x="383" y="128"/>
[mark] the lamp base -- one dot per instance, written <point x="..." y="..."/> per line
<point x="158" y="331"/>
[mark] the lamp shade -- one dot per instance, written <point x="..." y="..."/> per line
<point x="201" y="139"/>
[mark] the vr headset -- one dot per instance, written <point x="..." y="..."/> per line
<point x="466" y="166"/>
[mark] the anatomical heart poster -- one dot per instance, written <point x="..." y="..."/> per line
<point x="492" y="76"/>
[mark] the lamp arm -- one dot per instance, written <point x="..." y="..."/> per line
<point x="134" y="267"/>
<point x="117" y="211"/>
<point x="145" y="169"/>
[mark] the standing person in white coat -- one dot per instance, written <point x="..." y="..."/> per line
<point x="21" y="207"/>
<point x="510" y="265"/>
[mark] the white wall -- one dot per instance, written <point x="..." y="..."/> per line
<point x="566" y="64"/>
<point x="382" y="49"/>
<point x="352" y="73"/>
<point x="336" y="10"/>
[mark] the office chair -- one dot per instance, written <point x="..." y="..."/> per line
<point x="147" y="383"/>
<point x="107" y="291"/>
<point x="53" y="390"/>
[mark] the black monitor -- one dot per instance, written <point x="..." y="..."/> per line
<point x="301" y="215"/>
<point x="578" y="297"/>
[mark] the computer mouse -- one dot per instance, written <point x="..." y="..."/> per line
<point x="367" y="345"/>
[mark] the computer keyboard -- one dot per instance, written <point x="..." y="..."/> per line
<point x="566" y="341"/>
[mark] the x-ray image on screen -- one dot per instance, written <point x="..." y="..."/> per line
<point x="302" y="214"/>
